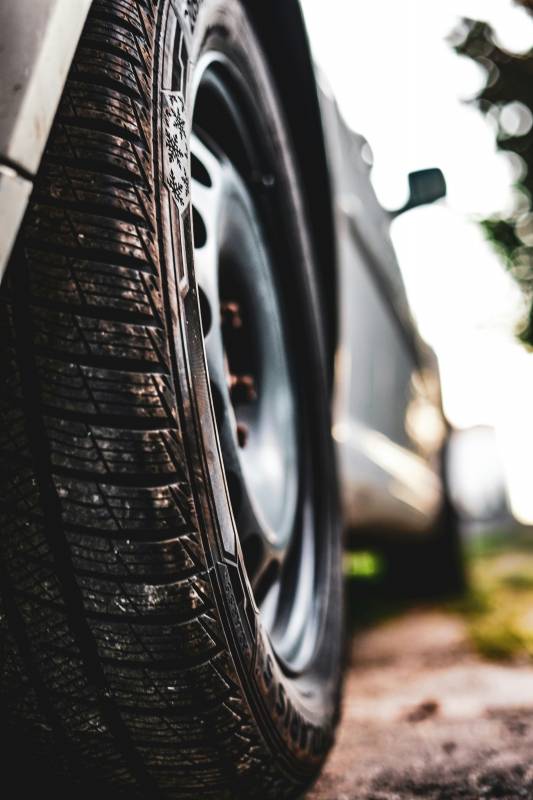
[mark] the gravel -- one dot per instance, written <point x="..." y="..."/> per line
<point x="425" y="717"/>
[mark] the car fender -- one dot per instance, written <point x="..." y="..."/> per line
<point x="37" y="44"/>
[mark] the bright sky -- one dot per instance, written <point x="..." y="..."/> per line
<point x="399" y="83"/>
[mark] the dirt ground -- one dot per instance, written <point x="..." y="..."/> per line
<point x="425" y="717"/>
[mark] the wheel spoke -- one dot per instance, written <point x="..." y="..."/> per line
<point x="206" y="208"/>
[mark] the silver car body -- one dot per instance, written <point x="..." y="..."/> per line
<point x="38" y="39"/>
<point x="388" y="422"/>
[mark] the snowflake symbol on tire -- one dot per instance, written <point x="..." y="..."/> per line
<point x="176" y="189"/>
<point x="176" y="153"/>
<point x="191" y="12"/>
<point x="180" y="124"/>
<point x="173" y="147"/>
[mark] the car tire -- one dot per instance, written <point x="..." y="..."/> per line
<point x="151" y="651"/>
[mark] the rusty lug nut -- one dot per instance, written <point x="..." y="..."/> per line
<point x="231" y="314"/>
<point x="242" y="434"/>
<point x="242" y="388"/>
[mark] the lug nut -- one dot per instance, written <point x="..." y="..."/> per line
<point x="242" y="388"/>
<point x="242" y="434"/>
<point x="231" y="314"/>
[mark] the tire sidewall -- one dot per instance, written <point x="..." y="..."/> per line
<point x="295" y="714"/>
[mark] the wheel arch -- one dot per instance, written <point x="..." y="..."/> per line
<point x="280" y="27"/>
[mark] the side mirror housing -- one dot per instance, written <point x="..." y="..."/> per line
<point x="425" y="186"/>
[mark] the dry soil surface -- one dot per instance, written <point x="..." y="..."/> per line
<point x="425" y="717"/>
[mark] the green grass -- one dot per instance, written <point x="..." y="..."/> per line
<point x="362" y="564"/>
<point x="499" y="606"/>
<point x="368" y="601"/>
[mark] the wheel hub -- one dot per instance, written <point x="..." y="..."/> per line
<point x="247" y="357"/>
<point x="255" y="351"/>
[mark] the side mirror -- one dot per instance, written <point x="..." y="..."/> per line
<point x="425" y="186"/>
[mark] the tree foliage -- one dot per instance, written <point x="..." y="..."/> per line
<point x="507" y="99"/>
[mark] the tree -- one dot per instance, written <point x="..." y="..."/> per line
<point x="507" y="98"/>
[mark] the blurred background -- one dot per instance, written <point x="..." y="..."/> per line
<point x="450" y="84"/>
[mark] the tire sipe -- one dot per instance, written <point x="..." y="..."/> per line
<point x="155" y="644"/>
